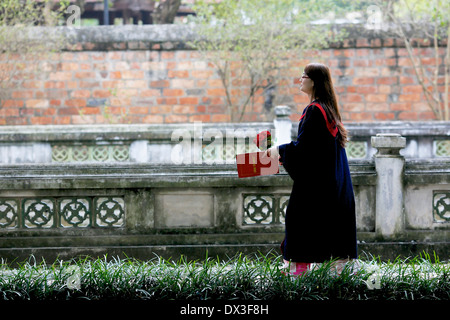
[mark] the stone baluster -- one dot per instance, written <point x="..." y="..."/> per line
<point x="282" y="124"/>
<point x="389" y="164"/>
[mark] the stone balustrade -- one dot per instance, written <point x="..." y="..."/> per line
<point x="66" y="191"/>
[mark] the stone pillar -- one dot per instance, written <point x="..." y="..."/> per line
<point x="282" y="124"/>
<point x="389" y="164"/>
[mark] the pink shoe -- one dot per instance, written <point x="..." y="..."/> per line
<point x="296" y="268"/>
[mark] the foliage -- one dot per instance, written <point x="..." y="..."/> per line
<point x="420" y="24"/>
<point x="22" y="43"/>
<point x="251" y="41"/>
<point x="241" y="277"/>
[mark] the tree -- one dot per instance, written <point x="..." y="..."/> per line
<point x="250" y="43"/>
<point x="22" y="44"/>
<point x="165" y="11"/>
<point x="422" y="23"/>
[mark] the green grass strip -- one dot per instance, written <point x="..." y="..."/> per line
<point x="255" y="277"/>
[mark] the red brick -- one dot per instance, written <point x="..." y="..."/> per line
<point x="351" y="98"/>
<point x="8" y="112"/>
<point x="184" y="83"/>
<point x="41" y="120"/>
<point x="202" y="74"/>
<point x="387" y="80"/>
<point x="37" y="103"/>
<point x="405" y="62"/>
<point x="81" y="94"/>
<point x="60" y="76"/>
<point x="115" y="75"/>
<point x="142" y="84"/>
<point x="161" y="109"/>
<point x="171" y="65"/>
<point x="68" y="111"/>
<point x="167" y="55"/>
<point x="132" y="74"/>
<point x="173" y="92"/>
<point x="216" y="83"/>
<point x="385" y="89"/>
<point x="172" y="118"/>
<point x="429" y="115"/>
<point x="413" y="97"/>
<point x="363" y="81"/>
<point x="90" y="110"/>
<point x="150" y="93"/>
<point x="139" y="110"/>
<point x="362" y="42"/>
<point x="54" y="85"/>
<point x="169" y="101"/>
<point x="376" y="98"/>
<point x="183" y="109"/>
<point x="353" y="107"/>
<point x="220" y="118"/>
<point x="400" y="106"/>
<point x="84" y="75"/>
<point x="365" y="90"/>
<point x="101" y="93"/>
<point x="201" y="109"/>
<point x="216" y="92"/>
<point x="62" y="120"/>
<point x="75" y="103"/>
<point x="406" y="80"/>
<point x="13" y="121"/>
<point x="49" y="112"/>
<point x="111" y="84"/>
<point x="178" y="74"/>
<point x="420" y="106"/>
<point x="412" y="89"/>
<point x="189" y="100"/>
<point x="12" y="104"/>
<point x="24" y="94"/>
<point x="408" y="116"/>
<point x="69" y="66"/>
<point x="200" y="117"/>
<point x="362" y="63"/>
<point x="361" y="116"/>
<point x="31" y="84"/>
<point x="160" y="84"/>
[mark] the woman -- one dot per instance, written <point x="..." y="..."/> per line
<point x="320" y="220"/>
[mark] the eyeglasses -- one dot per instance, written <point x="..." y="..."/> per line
<point x="298" y="80"/>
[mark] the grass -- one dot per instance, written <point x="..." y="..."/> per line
<point x="257" y="277"/>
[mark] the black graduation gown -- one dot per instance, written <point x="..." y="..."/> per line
<point x="320" y="219"/>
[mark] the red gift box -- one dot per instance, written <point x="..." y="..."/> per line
<point x="255" y="164"/>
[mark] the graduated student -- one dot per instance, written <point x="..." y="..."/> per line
<point x="320" y="222"/>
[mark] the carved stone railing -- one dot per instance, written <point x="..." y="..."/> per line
<point x="140" y="209"/>
<point x="73" y="190"/>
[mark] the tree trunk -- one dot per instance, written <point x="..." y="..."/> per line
<point x="166" y="11"/>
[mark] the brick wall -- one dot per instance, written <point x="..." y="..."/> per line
<point x="135" y="80"/>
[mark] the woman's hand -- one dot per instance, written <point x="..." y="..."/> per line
<point x="272" y="152"/>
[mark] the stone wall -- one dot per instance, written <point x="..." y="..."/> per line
<point x="148" y="74"/>
<point x="83" y="190"/>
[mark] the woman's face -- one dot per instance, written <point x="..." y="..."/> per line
<point x="306" y="84"/>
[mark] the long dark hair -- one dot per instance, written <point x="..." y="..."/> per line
<point x="323" y="92"/>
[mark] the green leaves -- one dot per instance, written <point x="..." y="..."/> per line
<point x="261" y="36"/>
<point x="253" y="277"/>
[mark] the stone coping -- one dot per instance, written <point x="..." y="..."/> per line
<point x="164" y="131"/>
